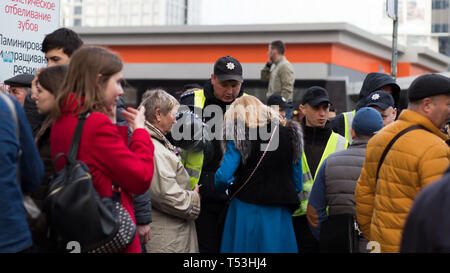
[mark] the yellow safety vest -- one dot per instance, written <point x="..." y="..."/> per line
<point x="348" y="120"/>
<point x="192" y="161"/>
<point x="335" y="143"/>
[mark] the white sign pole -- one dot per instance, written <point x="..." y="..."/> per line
<point x="392" y="12"/>
<point x="23" y="26"/>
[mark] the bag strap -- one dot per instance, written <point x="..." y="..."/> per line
<point x="257" y="165"/>
<point x="389" y="146"/>
<point x="73" y="151"/>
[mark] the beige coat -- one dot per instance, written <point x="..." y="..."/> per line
<point x="281" y="78"/>
<point x="174" y="205"/>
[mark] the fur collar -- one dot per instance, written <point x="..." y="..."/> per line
<point x="243" y="145"/>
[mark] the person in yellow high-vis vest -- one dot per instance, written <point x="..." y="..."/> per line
<point x="202" y="158"/>
<point x="319" y="142"/>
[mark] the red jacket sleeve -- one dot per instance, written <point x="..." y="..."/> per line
<point x="131" y="168"/>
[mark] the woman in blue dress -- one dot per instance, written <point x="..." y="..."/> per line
<point x="262" y="172"/>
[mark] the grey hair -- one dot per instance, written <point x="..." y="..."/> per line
<point x="157" y="98"/>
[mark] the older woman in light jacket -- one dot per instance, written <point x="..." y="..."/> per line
<point x="174" y="205"/>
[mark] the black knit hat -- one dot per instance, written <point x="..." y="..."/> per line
<point x="428" y="85"/>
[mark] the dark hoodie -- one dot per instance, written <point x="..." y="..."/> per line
<point x="373" y="82"/>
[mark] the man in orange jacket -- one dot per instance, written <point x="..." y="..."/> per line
<point x="416" y="159"/>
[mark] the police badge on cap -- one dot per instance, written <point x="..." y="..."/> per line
<point x="228" y="68"/>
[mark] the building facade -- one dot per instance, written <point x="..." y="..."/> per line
<point x="440" y="24"/>
<point x="336" y="56"/>
<point x="107" y="13"/>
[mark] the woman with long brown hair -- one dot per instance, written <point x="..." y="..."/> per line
<point x="48" y="85"/>
<point x="93" y="86"/>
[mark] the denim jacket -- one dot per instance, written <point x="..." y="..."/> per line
<point x="15" y="235"/>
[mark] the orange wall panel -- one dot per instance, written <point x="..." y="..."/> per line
<point x="253" y="53"/>
<point x="190" y="53"/>
<point x="328" y="53"/>
<point x="403" y="69"/>
<point x="358" y="60"/>
<point x="417" y="69"/>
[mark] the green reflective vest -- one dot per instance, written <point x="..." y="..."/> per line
<point x="335" y="143"/>
<point x="348" y="120"/>
<point x="192" y="161"/>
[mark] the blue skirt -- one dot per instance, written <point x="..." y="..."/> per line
<point x="251" y="228"/>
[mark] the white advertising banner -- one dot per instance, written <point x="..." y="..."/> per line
<point x="23" y="26"/>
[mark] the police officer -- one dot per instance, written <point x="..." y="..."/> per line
<point x="201" y="156"/>
<point x="375" y="81"/>
<point x="319" y="142"/>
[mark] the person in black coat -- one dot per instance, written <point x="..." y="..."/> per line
<point x="427" y="226"/>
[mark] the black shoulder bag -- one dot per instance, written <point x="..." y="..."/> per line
<point x="76" y="213"/>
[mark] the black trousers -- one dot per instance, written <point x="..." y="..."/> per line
<point x="306" y="242"/>
<point x="209" y="227"/>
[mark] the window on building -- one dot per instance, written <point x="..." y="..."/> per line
<point x="439" y="28"/>
<point x="444" y="45"/>
<point x="77" y="10"/>
<point x="77" y="22"/>
<point x="440" y="4"/>
<point x="436" y="28"/>
<point x="444" y="27"/>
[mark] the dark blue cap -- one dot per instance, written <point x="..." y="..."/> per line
<point x="367" y="121"/>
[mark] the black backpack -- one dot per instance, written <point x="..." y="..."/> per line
<point x="76" y="213"/>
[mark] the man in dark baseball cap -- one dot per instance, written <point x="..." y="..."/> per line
<point x="202" y="155"/>
<point x="315" y="106"/>
<point x="278" y="100"/>
<point x="319" y="142"/>
<point x="227" y="79"/>
<point x="20" y="86"/>
<point x="384" y="103"/>
<point x="315" y="95"/>
<point x="228" y="68"/>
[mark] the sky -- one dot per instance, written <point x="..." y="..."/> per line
<point x="369" y="15"/>
<point x="282" y="11"/>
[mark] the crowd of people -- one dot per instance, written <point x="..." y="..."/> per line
<point x="250" y="178"/>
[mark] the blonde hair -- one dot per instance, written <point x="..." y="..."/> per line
<point x="252" y="112"/>
<point x="154" y="99"/>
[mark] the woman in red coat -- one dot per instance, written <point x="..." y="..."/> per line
<point x="93" y="85"/>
